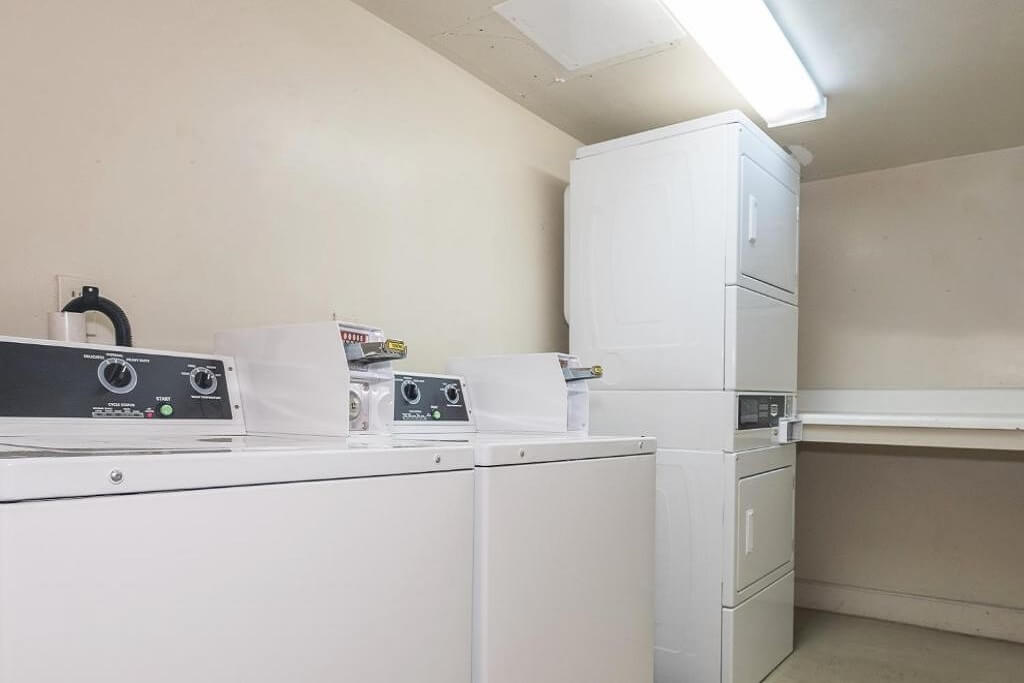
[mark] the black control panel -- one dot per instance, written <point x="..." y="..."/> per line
<point x="42" y="380"/>
<point x="424" y="398"/>
<point x="761" y="411"/>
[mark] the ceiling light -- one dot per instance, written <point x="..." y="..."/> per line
<point x="743" y="39"/>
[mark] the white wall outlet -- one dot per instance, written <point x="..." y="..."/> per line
<point x="70" y="286"/>
<point x="98" y="329"/>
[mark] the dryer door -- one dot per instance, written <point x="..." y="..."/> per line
<point x="768" y="227"/>
<point x="764" y="516"/>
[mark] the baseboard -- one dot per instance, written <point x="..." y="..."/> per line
<point x="989" y="621"/>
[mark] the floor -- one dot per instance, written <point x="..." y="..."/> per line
<point x="832" y="648"/>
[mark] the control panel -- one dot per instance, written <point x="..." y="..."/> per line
<point x="423" y="398"/>
<point x="46" y="380"/>
<point x="762" y="411"/>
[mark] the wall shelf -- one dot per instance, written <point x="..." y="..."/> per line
<point x="949" y="418"/>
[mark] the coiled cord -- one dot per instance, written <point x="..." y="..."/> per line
<point x="92" y="301"/>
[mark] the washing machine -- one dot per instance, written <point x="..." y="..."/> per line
<point x="564" y="523"/>
<point x="146" y="536"/>
<point x="564" y="533"/>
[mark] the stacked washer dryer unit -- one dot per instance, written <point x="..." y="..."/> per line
<point x="235" y="558"/>
<point x="564" y="541"/>
<point x="682" y="280"/>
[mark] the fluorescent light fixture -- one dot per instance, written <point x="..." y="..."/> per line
<point x="743" y="39"/>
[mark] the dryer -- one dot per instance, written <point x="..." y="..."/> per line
<point x="146" y="537"/>
<point x="682" y="254"/>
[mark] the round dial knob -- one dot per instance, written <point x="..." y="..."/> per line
<point x="452" y="394"/>
<point x="203" y="381"/>
<point x="117" y="375"/>
<point x="355" y="405"/>
<point x="410" y="392"/>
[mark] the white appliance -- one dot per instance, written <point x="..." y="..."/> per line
<point x="564" y="540"/>
<point x="564" y="523"/>
<point x="294" y="377"/>
<point x="146" y="538"/>
<point x="681" y="279"/>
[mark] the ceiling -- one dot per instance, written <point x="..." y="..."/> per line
<point x="907" y="80"/>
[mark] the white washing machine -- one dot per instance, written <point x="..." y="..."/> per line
<point x="564" y="540"/>
<point x="145" y="538"/>
<point x="564" y="523"/>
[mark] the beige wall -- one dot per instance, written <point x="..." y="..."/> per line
<point x="910" y="278"/>
<point x="929" y="521"/>
<point x="238" y="163"/>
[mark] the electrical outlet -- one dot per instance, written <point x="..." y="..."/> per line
<point x="70" y="286"/>
<point x="98" y="329"/>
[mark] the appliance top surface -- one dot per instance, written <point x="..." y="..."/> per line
<point x="44" y="467"/>
<point x="102" y="348"/>
<point x="725" y="118"/>
<point x="59" y="445"/>
<point x="520" y="448"/>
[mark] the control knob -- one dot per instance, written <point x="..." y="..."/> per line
<point x="117" y="375"/>
<point x="203" y="381"/>
<point x="410" y="392"/>
<point x="452" y="394"/>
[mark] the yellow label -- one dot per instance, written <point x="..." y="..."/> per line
<point x="395" y="345"/>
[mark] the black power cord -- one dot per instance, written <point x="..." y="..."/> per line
<point x="92" y="301"/>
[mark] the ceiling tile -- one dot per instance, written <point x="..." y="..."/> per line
<point x="580" y="33"/>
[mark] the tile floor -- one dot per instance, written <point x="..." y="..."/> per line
<point x="833" y="648"/>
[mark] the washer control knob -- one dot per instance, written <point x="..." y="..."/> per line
<point x="410" y="392"/>
<point x="203" y="381"/>
<point x="117" y="375"/>
<point x="452" y="393"/>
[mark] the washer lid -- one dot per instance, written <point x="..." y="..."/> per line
<point x="518" y="449"/>
<point x="63" y="467"/>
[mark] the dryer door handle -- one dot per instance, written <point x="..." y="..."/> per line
<point x="752" y="219"/>
<point x="748" y="543"/>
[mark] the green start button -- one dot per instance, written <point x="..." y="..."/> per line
<point x="436" y="414"/>
<point x="166" y="410"/>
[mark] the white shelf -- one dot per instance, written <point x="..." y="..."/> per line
<point x="951" y="418"/>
